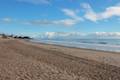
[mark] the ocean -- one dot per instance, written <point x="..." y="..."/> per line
<point x="112" y="45"/>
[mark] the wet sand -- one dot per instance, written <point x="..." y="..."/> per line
<point x="21" y="60"/>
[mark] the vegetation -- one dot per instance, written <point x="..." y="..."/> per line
<point x="14" y="36"/>
<point x="4" y="36"/>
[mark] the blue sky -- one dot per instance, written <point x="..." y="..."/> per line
<point x="31" y="17"/>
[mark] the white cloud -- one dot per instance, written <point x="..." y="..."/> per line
<point x="40" y="22"/>
<point x="111" y="11"/>
<point x="108" y="13"/>
<point x="60" y="35"/>
<point x="90" y="14"/>
<point x="113" y="34"/>
<point x="35" y="1"/>
<point x="79" y="35"/>
<point x="6" y="20"/>
<point x="105" y="35"/>
<point x="62" y="22"/>
<point x="71" y="14"/>
<point x="50" y="34"/>
<point x="74" y="19"/>
<point x="65" y="22"/>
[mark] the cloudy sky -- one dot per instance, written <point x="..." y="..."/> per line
<point x="32" y="17"/>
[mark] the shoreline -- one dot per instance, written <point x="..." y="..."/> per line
<point x="75" y="47"/>
<point x="117" y="52"/>
<point x="107" y="57"/>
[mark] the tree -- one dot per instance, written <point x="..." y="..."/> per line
<point x="4" y="36"/>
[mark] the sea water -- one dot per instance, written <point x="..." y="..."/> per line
<point x="96" y="44"/>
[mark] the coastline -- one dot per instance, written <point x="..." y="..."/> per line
<point x="108" y="57"/>
<point x="74" y="47"/>
<point x="98" y="47"/>
<point x="20" y="59"/>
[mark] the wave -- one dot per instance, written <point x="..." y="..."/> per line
<point x="105" y="45"/>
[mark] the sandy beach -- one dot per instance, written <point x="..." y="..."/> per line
<point x="22" y="60"/>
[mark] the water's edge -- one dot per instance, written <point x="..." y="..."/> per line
<point x="101" y="47"/>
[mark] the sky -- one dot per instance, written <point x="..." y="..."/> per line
<point x="31" y="17"/>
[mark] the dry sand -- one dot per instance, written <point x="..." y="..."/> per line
<point x="21" y="60"/>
